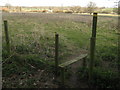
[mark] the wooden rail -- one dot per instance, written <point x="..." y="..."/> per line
<point x="73" y="61"/>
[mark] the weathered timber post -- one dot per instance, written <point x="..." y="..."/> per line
<point x="7" y="36"/>
<point x="92" y="46"/>
<point x="118" y="59"/>
<point x="56" y="53"/>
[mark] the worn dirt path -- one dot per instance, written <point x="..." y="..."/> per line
<point x="73" y="81"/>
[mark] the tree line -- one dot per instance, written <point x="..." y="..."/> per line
<point x="90" y="8"/>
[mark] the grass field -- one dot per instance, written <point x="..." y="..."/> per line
<point x="32" y="36"/>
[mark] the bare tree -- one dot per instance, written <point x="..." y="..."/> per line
<point x="116" y="9"/>
<point x="91" y="7"/>
<point x="7" y="5"/>
<point x="76" y="9"/>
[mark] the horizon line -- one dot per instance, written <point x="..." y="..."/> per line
<point x="55" y="6"/>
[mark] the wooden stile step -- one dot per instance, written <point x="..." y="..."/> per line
<point x="82" y="56"/>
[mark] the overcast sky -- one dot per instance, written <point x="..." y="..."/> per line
<point x="100" y="3"/>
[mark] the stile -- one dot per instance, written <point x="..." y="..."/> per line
<point x="63" y="65"/>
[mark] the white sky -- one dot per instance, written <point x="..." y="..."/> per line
<point x="100" y="3"/>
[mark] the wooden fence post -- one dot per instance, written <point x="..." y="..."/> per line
<point x="92" y="46"/>
<point x="56" y="53"/>
<point x="118" y="58"/>
<point x="7" y="36"/>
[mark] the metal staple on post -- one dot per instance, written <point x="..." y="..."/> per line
<point x="7" y="36"/>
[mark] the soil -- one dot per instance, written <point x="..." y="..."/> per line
<point x="73" y="81"/>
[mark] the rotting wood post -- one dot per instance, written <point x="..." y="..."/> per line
<point x="92" y="47"/>
<point x="56" y="53"/>
<point x="118" y="58"/>
<point x="92" y="53"/>
<point x="7" y="36"/>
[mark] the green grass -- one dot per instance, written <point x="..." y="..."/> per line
<point x="101" y="78"/>
<point x="33" y="34"/>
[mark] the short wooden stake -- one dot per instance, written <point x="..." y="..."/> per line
<point x="56" y="53"/>
<point x="7" y="36"/>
